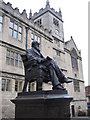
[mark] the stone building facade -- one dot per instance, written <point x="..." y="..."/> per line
<point x="87" y="90"/>
<point x="17" y="32"/>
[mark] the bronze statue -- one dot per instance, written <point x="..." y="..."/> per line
<point x="34" y="58"/>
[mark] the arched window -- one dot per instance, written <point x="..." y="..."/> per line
<point x="74" y="59"/>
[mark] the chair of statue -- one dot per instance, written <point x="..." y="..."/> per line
<point x="34" y="72"/>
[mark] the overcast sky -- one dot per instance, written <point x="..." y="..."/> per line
<point x="75" y="17"/>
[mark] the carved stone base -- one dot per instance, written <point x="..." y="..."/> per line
<point x="42" y="104"/>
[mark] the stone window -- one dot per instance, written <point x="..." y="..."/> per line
<point x="32" y="37"/>
<point x="57" y="52"/>
<point x="13" y="58"/>
<point x="20" y="33"/>
<point x="3" y="84"/>
<point x="75" y="75"/>
<point x="18" y="85"/>
<point x="76" y="86"/>
<point x="39" y="22"/>
<point x="38" y="39"/>
<point x="57" y="32"/>
<point x="6" y="85"/>
<point x="15" y="30"/>
<point x="56" y="22"/>
<point x="31" y="86"/>
<point x="8" y="57"/>
<point x="57" y="42"/>
<point x="74" y="59"/>
<point x="11" y="29"/>
<point x="35" y="37"/>
<point x="1" y="22"/>
<point x="16" y="59"/>
<point x="20" y="62"/>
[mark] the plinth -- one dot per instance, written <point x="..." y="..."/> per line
<point x="42" y="104"/>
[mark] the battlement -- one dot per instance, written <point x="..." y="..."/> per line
<point x="51" y="10"/>
<point x="8" y="9"/>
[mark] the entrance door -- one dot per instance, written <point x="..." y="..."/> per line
<point x="73" y="111"/>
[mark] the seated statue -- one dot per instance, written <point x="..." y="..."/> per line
<point x="35" y="61"/>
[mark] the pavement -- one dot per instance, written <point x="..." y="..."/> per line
<point x="73" y="118"/>
<point x="80" y="118"/>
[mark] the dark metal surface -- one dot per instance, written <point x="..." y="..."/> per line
<point x="41" y="69"/>
<point x="43" y="104"/>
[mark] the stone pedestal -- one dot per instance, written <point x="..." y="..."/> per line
<point x="43" y="104"/>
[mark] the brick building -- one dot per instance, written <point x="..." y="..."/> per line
<point x="87" y="89"/>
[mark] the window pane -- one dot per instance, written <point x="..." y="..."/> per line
<point x="0" y="27"/>
<point x="16" y="85"/>
<point x="8" y="85"/>
<point x="55" y="22"/>
<point x="16" y="56"/>
<point x="74" y="62"/>
<point x="35" y="38"/>
<point x="20" y="29"/>
<point x="38" y="39"/>
<point x="56" y="41"/>
<point x="16" y="63"/>
<point x="57" y="32"/>
<point x="32" y="36"/>
<point x="16" y="59"/>
<point x="15" y="26"/>
<point x="10" y="32"/>
<point x="20" y="64"/>
<point x="15" y="34"/>
<point x="12" y="62"/>
<point x="8" y="53"/>
<point x="11" y="24"/>
<point x="12" y="54"/>
<point x="20" y="86"/>
<point x="3" y="85"/>
<point x="20" y="58"/>
<point x="1" y="19"/>
<point x="76" y="86"/>
<point x="57" y="53"/>
<point x="12" y="58"/>
<point x="8" y="57"/>
<point x="8" y="61"/>
<point x="19" y="36"/>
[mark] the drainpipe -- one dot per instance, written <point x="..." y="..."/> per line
<point x="27" y="37"/>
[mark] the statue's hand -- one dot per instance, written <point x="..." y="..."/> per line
<point x="39" y="60"/>
<point x="48" y="58"/>
<point x="43" y="59"/>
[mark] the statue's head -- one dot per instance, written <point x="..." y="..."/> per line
<point x="36" y="45"/>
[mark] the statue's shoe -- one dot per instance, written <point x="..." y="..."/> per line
<point x="58" y="87"/>
<point x="66" y="80"/>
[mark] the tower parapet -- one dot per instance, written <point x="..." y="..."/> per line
<point x="47" y="8"/>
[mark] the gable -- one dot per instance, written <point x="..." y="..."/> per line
<point x="71" y="46"/>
